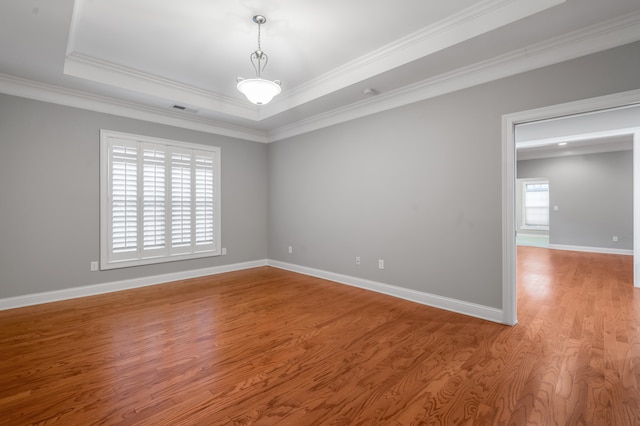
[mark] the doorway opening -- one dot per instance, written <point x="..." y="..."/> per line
<point x="515" y="126"/>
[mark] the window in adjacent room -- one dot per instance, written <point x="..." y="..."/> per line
<point x="536" y="204"/>
<point x="160" y="200"/>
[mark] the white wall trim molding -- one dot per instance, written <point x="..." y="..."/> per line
<point x="83" y="66"/>
<point x="636" y="209"/>
<point x="478" y="19"/>
<point x="95" y="289"/>
<point x="471" y="22"/>
<point x="541" y="236"/>
<point x="448" y="304"/>
<point x="604" y="250"/>
<point x="17" y="86"/>
<point x="585" y="106"/>
<point x="593" y="39"/>
<point x="509" y="122"/>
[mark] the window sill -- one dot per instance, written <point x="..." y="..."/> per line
<point x="116" y="264"/>
<point x="535" y="228"/>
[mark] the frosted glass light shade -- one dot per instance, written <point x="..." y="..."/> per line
<point x="258" y="90"/>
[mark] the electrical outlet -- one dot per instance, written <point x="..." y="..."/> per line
<point x="357" y="260"/>
<point x="615" y="238"/>
<point x="290" y="249"/>
<point x="94" y="266"/>
<point x="380" y="264"/>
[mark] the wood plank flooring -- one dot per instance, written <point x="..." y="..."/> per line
<point x="271" y="347"/>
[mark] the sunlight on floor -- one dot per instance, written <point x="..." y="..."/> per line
<point x="533" y="240"/>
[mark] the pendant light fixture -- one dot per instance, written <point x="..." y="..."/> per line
<point x="258" y="90"/>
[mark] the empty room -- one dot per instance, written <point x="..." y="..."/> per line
<point x="313" y="213"/>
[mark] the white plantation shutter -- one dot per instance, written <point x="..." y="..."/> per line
<point x="160" y="200"/>
<point x="123" y="192"/>
<point x="204" y="199"/>
<point x="154" y="198"/>
<point x="181" y="198"/>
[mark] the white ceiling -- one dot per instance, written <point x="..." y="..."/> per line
<point x="577" y="147"/>
<point x="604" y="130"/>
<point x="139" y="57"/>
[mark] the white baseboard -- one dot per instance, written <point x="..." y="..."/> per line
<point x="448" y="304"/>
<point x="604" y="250"/>
<point x="454" y="305"/>
<point x="91" y="290"/>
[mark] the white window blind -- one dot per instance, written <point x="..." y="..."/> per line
<point x="181" y="200"/>
<point x="124" y="196"/>
<point x="160" y="200"/>
<point x="536" y="204"/>
<point x="204" y="199"/>
<point x="154" y="199"/>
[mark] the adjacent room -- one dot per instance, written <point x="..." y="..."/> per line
<point x="305" y="213"/>
<point x="575" y="175"/>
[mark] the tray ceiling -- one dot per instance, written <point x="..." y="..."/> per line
<point x="142" y="57"/>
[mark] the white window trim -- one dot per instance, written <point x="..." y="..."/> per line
<point x="524" y="205"/>
<point x="535" y="228"/>
<point x="107" y="261"/>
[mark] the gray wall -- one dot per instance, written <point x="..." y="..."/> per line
<point x="420" y="186"/>
<point x="49" y="182"/>
<point x="594" y="195"/>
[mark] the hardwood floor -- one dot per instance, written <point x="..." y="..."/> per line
<point x="270" y="347"/>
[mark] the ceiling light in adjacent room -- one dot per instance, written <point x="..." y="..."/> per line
<point x="258" y="90"/>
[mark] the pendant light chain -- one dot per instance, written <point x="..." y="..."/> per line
<point x="258" y="90"/>
<point x="259" y="54"/>
<point x="259" y="26"/>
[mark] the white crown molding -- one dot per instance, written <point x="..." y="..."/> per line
<point x="478" y="19"/>
<point x="78" y="6"/>
<point x="579" y="150"/>
<point x="454" y="305"/>
<point x="593" y="39"/>
<point x="110" y="287"/>
<point x="583" y="106"/>
<point x="93" y="69"/>
<point x="578" y="137"/>
<point x="552" y="151"/>
<point x="78" y="99"/>
<point x="599" y="37"/>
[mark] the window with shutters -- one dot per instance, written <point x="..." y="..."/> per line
<point x="160" y="200"/>
<point x="536" y="205"/>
